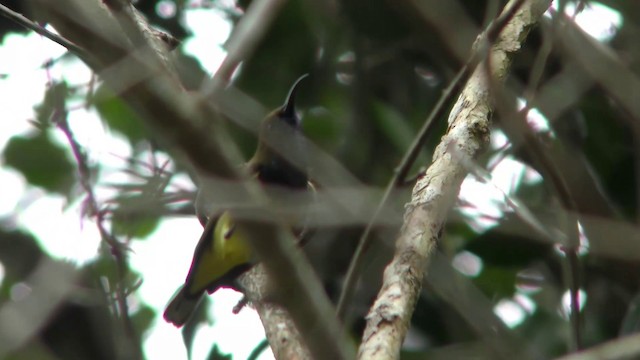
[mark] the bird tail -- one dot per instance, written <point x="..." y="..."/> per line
<point x="181" y="307"/>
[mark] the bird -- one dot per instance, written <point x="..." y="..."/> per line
<point x="223" y="252"/>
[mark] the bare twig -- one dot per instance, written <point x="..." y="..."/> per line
<point x="20" y="19"/>
<point x="118" y="250"/>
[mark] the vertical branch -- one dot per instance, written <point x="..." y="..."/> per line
<point x="434" y="193"/>
<point x="400" y="175"/>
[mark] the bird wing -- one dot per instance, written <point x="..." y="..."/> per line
<point x="221" y="255"/>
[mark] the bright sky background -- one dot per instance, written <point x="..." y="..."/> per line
<point x="164" y="257"/>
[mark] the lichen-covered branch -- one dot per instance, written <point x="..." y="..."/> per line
<point x="435" y="192"/>
<point x="286" y="342"/>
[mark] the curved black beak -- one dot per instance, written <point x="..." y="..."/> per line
<point x="288" y="109"/>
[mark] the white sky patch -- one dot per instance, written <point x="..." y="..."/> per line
<point x="108" y="149"/>
<point x="467" y="263"/>
<point x="511" y="313"/>
<point x="238" y="334"/>
<point x="164" y="258"/>
<point x="80" y="76"/>
<point x="525" y="303"/>
<point x="22" y="57"/>
<point x="21" y="54"/>
<point x="566" y="302"/>
<point x="166" y="9"/>
<point x="498" y="139"/>
<point x="596" y="19"/>
<point x="164" y="342"/>
<point x="59" y="229"/>
<point x="211" y="29"/>
<point x="487" y="199"/>
<point x="13" y="181"/>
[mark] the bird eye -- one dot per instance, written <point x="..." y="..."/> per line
<point x="229" y="232"/>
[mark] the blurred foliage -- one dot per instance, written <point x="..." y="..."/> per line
<point x="118" y="116"/>
<point x="19" y="255"/>
<point x="215" y="354"/>
<point x="376" y="70"/>
<point x="80" y="327"/>
<point x="43" y="162"/>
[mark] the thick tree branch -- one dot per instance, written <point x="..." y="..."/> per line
<point x="434" y="194"/>
<point x="285" y="340"/>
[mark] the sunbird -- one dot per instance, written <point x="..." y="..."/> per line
<point x="223" y="253"/>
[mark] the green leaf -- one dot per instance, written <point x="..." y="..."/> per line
<point x="258" y="350"/>
<point x="497" y="282"/>
<point x="20" y="254"/>
<point x="500" y="247"/>
<point x="118" y="115"/>
<point x="134" y="226"/>
<point x="143" y="318"/>
<point x="393" y="125"/>
<point x="216" y="354"/>
<point x="321" y="127"/>
<point x="42" y="162"/>
<point x="104" y="268"/>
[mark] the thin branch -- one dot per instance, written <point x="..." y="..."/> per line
<point x="21" y="20"/>
<point x="118" y="250"/>
<point x="601" y="63"/>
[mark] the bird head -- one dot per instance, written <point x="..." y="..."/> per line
<point x="286" y="114"/>
<point x="279" y="139"/>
